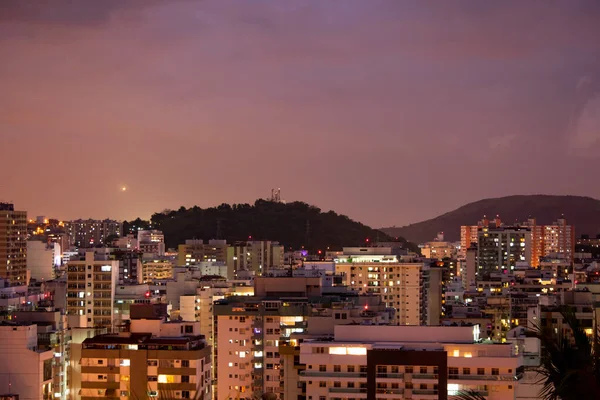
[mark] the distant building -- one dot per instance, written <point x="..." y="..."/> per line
<point x="13" y="245"/>
<point x="151" y="242"/>
<point x="254" y="256"/>
<point x="91" y="232"/>
<point x="438" y="249"/>
<point x="500" y="249"/>
<point x="545" y="240"/>
<point x="411" y="288"/>
<point x="195" y="251"/>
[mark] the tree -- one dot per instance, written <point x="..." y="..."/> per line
<point x="570" y="360"/>
<point x="469" y="395"/>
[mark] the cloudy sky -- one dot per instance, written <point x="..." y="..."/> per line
<point x="388" y="111"/>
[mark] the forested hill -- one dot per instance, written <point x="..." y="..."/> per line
<point x="294" y="224"/>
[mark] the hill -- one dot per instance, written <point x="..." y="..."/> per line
<point x="294" y="225"/>
<point x="582" y="212"/>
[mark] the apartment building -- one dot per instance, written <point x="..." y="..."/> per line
<point x="499" y="249"/>
<point x="407" y="362"/>
<point x="199" y="307"/>
<point x="438" y="249"/>
<point x="41" y="260"/>
<point x="53" y="336"/>
<point x="153" y="270"/>
<point x="195" y="251"/>
<point x="254" y="256"/>
<point x="247" y="336"/>
<point x="151" y="242"/>
<point x="13" y="245"/>
<point x="26" y="368"/>
<point x="91" y="285"/>
<point x="409" y="287"/>
<point x="557" y="238"/>
<point x="155" y="359"/>
<point x="90" y="232"/>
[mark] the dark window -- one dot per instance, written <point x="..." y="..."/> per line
<point x="185" y="379"/>
<point x="495" y="371"/>
<point x="480" y="371"/>
<point x="185" y="363"/>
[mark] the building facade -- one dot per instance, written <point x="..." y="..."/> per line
<point x="407" y="362"/>
<point x="13" y="245"/>
<point x="91" y="286"/>
<point x="172" y="362"/>
<point x="91" y="232"/>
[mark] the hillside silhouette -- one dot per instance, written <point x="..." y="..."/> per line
<point x="582" y="212"/>
<point x="294" y="225"/>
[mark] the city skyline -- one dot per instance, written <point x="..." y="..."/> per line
<point x="411" y="108"/>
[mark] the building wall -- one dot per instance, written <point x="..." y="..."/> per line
<point x="91" y="290"/>
<point x="398" y="284"/>
<point x="40" y="260"/>
<point x="25" y="370"/>
<point x="13" y="246"/>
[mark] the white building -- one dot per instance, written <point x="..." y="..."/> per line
<point x="424" y="362"/>
<point x="41" y="260"/>
<point x="24" y="369"/>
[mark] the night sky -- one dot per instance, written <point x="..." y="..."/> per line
<point x="388" y="111"/>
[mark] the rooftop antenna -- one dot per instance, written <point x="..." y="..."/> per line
<point x="276" y="195"/>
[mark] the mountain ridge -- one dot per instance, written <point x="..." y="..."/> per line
<point x="295" y="224"/>
<point x="583" y="212"/>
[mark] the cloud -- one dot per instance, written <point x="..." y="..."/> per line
<point x="501" y="142"/>
<point x="586" y="136"/>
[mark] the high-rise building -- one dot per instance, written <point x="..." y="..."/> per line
<point x="404" y="285"/>
<point x="91" y="291"/>
<point x="557" y="238"/>
<point x="195" y="251"/>
<point x="13" y="244"/>
<point x="91" y="232"/>
<point x="545" y="240"/>
<point x="469" y="234"/>
<point x="254" y="256"/>
<point x="499" y="249"/>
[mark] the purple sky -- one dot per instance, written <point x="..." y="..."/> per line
<point x="388" y="111"/>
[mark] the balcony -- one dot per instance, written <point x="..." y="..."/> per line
<point x="390" y="391"/>
<point x="330" y="374"/>
<point x="426" y="392"/>
<point x="505" y="378"/>
<point x="384" y="375"/>
<point x="425" y="376"/>
<point x="347" y="390"/>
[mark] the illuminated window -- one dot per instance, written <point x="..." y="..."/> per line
<point x="125" y="362"/>
<point x="166" y="379"/>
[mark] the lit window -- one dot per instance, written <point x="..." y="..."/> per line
<point x="125" y="362"/>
